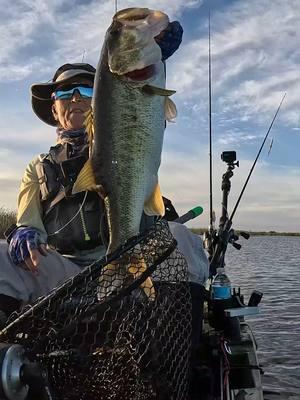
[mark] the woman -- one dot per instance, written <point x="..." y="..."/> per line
<point x="47" y="212"/>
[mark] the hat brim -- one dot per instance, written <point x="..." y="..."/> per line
<point x="41" y="96"/>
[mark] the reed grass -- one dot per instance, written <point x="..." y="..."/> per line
<point x="7" y="218"/>
<point x="200" y="231"/>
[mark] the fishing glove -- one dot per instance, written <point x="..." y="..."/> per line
<point x="22" y="240"/>
<point x="169" y="39"/>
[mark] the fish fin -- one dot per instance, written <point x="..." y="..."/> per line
<point x="154" y="90"/>
<point x="89" y="125"/>
<point x="112" y="279"/>
<point x="137" y="267"/>
<point x="154" y="205"/>
<point x="170" y="110"/>
<point x="85" y="179"/>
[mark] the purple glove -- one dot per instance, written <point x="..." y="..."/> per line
<point x="169" y="40"/>
<point x="23" y="240"/>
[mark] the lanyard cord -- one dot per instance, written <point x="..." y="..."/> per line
<point x="72" y="219"/>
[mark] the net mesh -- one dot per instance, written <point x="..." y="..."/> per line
<point x="118" y="330"/>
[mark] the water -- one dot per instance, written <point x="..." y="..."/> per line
<point x="272" y="266"/>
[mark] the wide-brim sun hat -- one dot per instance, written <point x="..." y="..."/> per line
<point x="41" y="92"/>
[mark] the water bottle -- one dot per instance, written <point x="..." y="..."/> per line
<point x="221" y="286"/>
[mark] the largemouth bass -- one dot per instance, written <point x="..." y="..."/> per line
<point x="129" y="108"/>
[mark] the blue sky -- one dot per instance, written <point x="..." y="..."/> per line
<point x="255" y="60"/>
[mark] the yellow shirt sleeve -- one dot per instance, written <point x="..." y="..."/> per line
<point x="29" y="202"/>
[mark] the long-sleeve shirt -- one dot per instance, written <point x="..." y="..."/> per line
<point x="29" y="202"/>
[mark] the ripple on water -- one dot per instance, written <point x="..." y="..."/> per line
<point x="271" y="265"/>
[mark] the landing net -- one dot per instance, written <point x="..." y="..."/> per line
<point x="99" y="339"/>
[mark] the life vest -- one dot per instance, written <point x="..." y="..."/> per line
<point x="72" y="222"/>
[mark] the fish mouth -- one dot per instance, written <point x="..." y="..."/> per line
<point x="132" y="14"/>
<point x="142" y="74"/>
<point x="132" y="49"/>
<point x="76" y="110"/>
<point x="133" y="17"/>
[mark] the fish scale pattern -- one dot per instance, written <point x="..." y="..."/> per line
<point x="117" y="345"/>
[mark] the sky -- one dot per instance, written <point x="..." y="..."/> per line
<point x="255" y="57"/>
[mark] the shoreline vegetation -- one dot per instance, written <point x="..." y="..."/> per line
<point x="200" y="231"/>
<point x="8" y="217"/>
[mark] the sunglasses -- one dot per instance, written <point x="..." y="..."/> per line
<point x="67" y="92"/>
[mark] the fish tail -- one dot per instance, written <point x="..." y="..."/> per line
<point x="112" y="279"/>
<point x="136" y="268"/>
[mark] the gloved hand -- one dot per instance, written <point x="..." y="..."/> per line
<point x="169" y="39"/>
<point x="25" y="248"/>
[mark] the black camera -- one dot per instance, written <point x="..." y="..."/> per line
<point x="228" y="156"/>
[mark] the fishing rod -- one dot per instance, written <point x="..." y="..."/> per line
<point x="255" y="161"/>
<point x="226" y="234"/>
<point x="209" y="236"/>
<point x="191" y="214"/>
<point x="211" y="219"/>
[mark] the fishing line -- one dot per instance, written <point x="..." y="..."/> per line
<point x="72" y="219"/>
<point x="104" y="239"/>
<point x="270" y="148"/>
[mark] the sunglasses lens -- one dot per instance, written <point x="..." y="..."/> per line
<point x="85" y="91"/>
<point x="66" y="93"/>
<point x="61" y="94"/>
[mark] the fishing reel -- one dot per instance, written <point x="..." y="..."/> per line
<point x="233" y="238"/>
<point x="20" y="378"/>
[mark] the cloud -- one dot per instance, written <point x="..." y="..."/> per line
<point x="270" y="202"/>
<point x="260" y="41"/>
<point x="236" y="138"/>
<point x="255" y="59"/>
<point x="59" y="30"/>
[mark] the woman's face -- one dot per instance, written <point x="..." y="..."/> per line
<point x="69" y="113"/>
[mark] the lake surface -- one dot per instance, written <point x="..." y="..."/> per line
<point x="272" y="266"/>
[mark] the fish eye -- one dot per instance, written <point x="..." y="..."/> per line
<point x="115" y="28"/>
